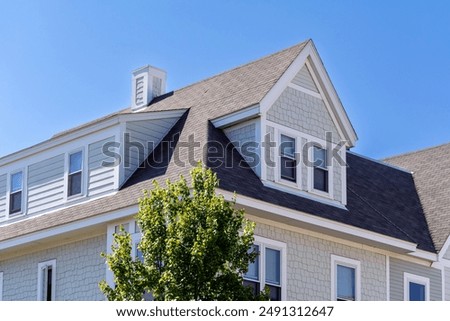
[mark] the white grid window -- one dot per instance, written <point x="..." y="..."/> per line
<point x="345" y="279"/>
<point x="268" y="269"/>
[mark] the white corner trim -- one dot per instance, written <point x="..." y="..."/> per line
<point x="344" y="261"/>
<point x="400" y="245"/>
<point x="388" y="278"/>
<point x="236" y="117"/>
<point x="408" y="277"/>
<point x="444" y="248"/>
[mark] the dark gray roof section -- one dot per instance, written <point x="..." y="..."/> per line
<point x="431" y="172"/>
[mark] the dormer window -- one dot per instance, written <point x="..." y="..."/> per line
<point x="320" y="172"/>
<point x="288" y="166"/>
<point x="15" y="196"/>
<point x="75" y="173"/>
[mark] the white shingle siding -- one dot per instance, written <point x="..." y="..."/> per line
<point x="304" y="79"/>
<point x="241" y="134"/>
<point x="2" y="196"/>
<point x="143" y="132"/>
<point x="309" y="265"/>
<point x="79" y="269"/>
<point x="304" y="113"/>
<point x="397" y="269"/>
<point x="337" y="181"/>
<point x="101" y="178"/>
<point x="46" y="184"/>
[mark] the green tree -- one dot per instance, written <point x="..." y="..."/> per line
<point x="195" y="246"/>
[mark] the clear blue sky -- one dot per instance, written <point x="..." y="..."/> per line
<point x="63" y="63"/>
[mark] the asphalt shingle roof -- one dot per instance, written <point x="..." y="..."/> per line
<point x="431" y="172"/>
<point x="380" y="198"/>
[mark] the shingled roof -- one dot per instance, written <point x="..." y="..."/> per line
<point x="380" y="197"/>
<point x="431" y="172"/>
<point x="216" y="96"/>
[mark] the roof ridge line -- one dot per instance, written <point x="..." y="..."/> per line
<point x="381" y="162"/>
<point x="240" y="66"/>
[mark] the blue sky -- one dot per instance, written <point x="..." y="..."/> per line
<point x="63" y="63"/>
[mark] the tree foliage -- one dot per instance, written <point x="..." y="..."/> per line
<point x="195" y="246"/>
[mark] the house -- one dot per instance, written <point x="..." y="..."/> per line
<point x="330" y="224"/>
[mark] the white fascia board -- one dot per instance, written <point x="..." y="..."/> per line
<point x="70" y="227"/>
<point x="236" y="117"/>
<point x="88" y="130"/>
<point x="53" y="142"/>
<point x="310" y="56"/>
<point x="394" y="244"/>
<point x="317" y="64"/>
<point x="152" y="115"/>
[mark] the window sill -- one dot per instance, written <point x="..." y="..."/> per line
<point x="295" y="190"/>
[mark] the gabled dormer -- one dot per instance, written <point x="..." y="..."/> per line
<point x="301" y="131"/>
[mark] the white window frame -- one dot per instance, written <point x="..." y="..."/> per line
<point x="413" y="278"/>
<point x="40" y="286"/>
<point x="135" y="239"/>
<point x="297" y="187"/>
<point x="264" y="243"/>
<point x="83" y="174"/>
<point x="311" y="189"/>
<point x="295" y="158"/>
<point x="9" y="191"/>
<point x="351" y="263"/>
<point x="1" y="286"/>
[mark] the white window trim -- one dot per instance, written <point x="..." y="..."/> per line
<point x="1" y="286"/>
<point x="41" y="266"/>
<point x="298" y="136"/>
<point x="330" y="169"/>
<point x="24" y="193"/>
<point x="339" y="260"/>
<point x="264" y="243"/>
<point x="297" y="157"/>
<point x="135" y="239"/>
<point x="408" y="277"/>
<point x="83" y="174"/>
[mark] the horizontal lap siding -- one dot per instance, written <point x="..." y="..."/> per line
<point x="143" y="133"/>
<point x="2" y="197"/>
<point x="447" y="283"/>
<point x="46" y="184"/>
<point x="397" y="270"/>
<point x="101" y="177"/>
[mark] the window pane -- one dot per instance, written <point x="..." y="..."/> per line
<point x="253" y="285"/>
<point x="75" y="162"/>
<point x="320" y="157"/>
<point x="287" y="146"/>
<point x="320" y="179"/>
<point x="345" y="283"/>
<point x="416" y="292"/>
<point x="253" y="268"/>
<point x="16" y="182"/>
<point x="288" y="170"/>
<point x="273" y="274"/>
<point x="275" y="293"/>
<point x="15" y="202"/>
<point x="75" y="184"/>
